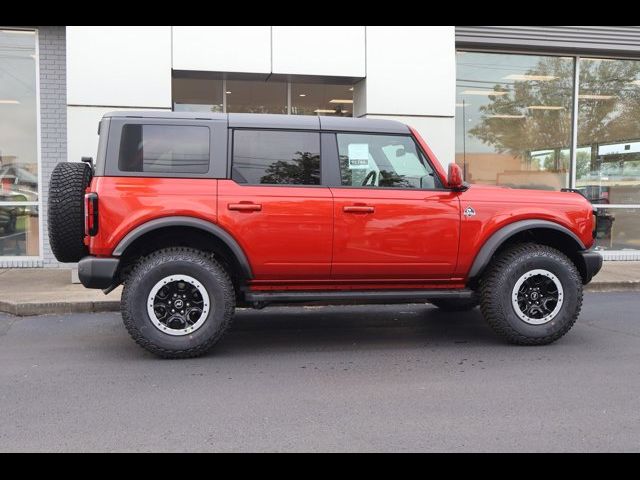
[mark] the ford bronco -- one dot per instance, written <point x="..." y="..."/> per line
<point x="198" y="213"/>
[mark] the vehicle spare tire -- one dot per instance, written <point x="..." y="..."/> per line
<point x="69" y="180"/>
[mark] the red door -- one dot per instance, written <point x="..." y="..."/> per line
<point x="286" y="232"/>
<point x="393" y="219"/>
<point x="275" y="206"/>
<point x="395" y="234"/>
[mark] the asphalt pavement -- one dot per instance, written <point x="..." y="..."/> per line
<point x="366" y="378"/>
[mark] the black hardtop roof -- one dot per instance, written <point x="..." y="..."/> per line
<point x="259" y="120"/>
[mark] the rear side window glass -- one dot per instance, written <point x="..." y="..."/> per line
<point x="276" y="157"/>
<point x="164" y="149"/>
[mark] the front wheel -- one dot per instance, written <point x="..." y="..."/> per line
<point x="178" y="302"/>
<point x="531" y="294"/>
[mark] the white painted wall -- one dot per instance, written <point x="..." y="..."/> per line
<point x="411" y="70"/>
<point x="82" y="128"/>
<point x="222" y="48"/>
<point x="411" y="77"/>
<point x="119" y="66"/>
<point x="319" y="50"/>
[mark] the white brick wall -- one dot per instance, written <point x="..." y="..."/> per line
<point x="53" y="126"/>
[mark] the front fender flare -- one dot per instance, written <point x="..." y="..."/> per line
<point x="502" y="235"/>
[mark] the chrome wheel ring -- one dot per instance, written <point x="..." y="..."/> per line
<point x="178" y="305"/>
<point x="537" y="297"/>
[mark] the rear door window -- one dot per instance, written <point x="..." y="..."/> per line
<point x="276" y="157"/>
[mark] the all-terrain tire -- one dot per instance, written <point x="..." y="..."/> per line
<point x="69" y="181"/>
<point x="498" y="282"/>
<point x="458" y="305"/>
<point x="177" y="261"/>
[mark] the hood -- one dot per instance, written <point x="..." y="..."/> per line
<point x="505" y="194"/>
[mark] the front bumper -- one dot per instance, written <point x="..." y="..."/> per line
<point x="97" y="272"/>
<point x="590" y="264"/>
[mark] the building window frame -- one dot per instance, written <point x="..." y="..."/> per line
<point x="9" y="259"/>
<point x="289" y="84"/>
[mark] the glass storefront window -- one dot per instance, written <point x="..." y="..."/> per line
<point x="19" y="226"/>
<point x="608" y="154"/>
<point x="197" y="94"/>
<point x="249" y="96"/>
<point x="321" y="99"/>
<point x="618" y="229"/>
<point x="513" y="115"/>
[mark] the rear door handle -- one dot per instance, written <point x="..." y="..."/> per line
<point x="358" y="209"/>
<point x="245" y="207"/>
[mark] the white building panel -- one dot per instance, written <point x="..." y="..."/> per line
<point x="319" y="50"/>
<point x="245" y="49"/>
<point x="411" y="70"/>
<point x="119" y="66"/>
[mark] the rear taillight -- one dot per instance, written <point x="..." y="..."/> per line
<point x="91" y="214"/>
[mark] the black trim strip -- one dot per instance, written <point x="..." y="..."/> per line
<point x="365" y="296"/>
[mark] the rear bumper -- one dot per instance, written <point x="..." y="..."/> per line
<point x="590" y="264"/>
<point x="97" y="272"/>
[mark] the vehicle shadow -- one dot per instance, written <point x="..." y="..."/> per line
<point x="343" y="327"/>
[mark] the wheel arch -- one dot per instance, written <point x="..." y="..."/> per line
<point x="209" y="235"/>
<point x="541" y="231"/>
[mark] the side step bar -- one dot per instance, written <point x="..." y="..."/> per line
<point x="261" y="299"/>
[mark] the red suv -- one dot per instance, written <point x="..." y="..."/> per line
<point x="197" y="213"/>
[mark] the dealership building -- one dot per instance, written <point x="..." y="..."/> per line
<point x="519" y="106"/>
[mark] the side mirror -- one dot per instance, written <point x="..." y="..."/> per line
<point x="454" y="176"/>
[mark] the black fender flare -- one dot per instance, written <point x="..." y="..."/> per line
<point x="503" y="234"/>
<point x="182" y="221"/>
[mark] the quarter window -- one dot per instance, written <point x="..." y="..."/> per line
<point x="387" y="161"/>
<point x="276" y="157"/>
<point x="164" y="149"/>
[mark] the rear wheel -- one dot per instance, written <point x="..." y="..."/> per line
<point x="531" y="294"/>
<point x="459" y="305"/>
<point x="178" y="302"/>
<point x="69" y="182"/>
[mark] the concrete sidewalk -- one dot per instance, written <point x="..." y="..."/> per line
<point x="37" y="291"/>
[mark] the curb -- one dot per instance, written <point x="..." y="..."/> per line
<point x="26" y="309"/>
<point x="628" y="286"/>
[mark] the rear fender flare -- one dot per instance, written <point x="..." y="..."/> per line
<point x="181" y="221"/>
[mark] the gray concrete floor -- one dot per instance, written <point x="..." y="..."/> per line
<point x="378" y="378"/>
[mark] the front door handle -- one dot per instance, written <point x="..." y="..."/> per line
<point x="358" y="209"/>
<point x="245" y="207"/>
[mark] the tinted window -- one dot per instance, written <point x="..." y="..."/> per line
<point x="388" y="161"/>
<point x="164" y="149"/>
<point x="276" y="157"/>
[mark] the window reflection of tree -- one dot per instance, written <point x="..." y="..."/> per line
<point x="610" y="112"/>
<point x="303" y="170"/>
